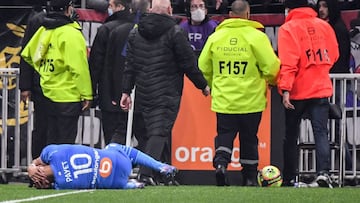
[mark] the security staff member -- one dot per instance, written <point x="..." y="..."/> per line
<point x="57" y="51"/>
<point x="237" y="62"/>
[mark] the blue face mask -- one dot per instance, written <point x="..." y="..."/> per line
<point x="110" y="11"/>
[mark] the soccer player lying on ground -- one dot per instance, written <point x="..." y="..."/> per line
<point x="68" y="166"/>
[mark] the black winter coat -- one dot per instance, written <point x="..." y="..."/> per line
<point x="342" y="65"/>
<point x="158" y="55"/>
<point x="102" y="56"/>
<point x="115" y="59"/>
<point x="342" y="36"/>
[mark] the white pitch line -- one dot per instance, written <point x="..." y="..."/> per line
<point x="46" y="196"/>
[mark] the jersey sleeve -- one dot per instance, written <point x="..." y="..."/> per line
<point x="47" y="153"/>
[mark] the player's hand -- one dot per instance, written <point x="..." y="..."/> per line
<point x="42" y="184"/>
<point x="38" y="176"/>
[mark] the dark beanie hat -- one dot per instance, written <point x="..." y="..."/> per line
<point x="295" y="3"/>
<point x="125" y="3"/>
<point x="60" y="5"/>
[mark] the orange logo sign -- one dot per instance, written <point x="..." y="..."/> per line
<point x="105" y="167"/>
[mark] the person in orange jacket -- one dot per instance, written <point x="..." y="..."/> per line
<point x="307" y="48"/>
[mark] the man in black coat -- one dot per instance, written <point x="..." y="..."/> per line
<point x="329" y="10"/>
<point x="158" y="56"/>
<point x="29" y="83"/>
<point x="102" y="62"/>
<point x="115" y="63"/>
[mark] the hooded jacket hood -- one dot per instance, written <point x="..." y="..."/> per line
<point x="238" y="22"/>
<point x="342" y="36"/>
<point x="56" y="19"/>
<point x="118" y="15"/>
<point x="152" y="25"/>
<point x="299" y="13"/>
<point x="334" y="10"/>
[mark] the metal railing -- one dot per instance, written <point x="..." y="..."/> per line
<point x="346" y="93"/>
<point x="347" y="83"/>
<point x="5" y="75"/>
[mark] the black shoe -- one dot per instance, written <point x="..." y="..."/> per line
<point x="171" y="182"/>
<point x="324" y="180"/>
<point x="251" y="182"/>
<point x="249" y="176"/>
<point x="4" y="178"/>
<point x="293" y="183"/>
<point x="288" y="183"/>
<point x="221" y="176"/>
<point x="147" y="180"/>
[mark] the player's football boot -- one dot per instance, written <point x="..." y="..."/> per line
<point x="168" y="170"/>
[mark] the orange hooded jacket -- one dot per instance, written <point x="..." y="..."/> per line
<point x="307" y="50"/>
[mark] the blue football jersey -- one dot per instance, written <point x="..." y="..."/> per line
<point x="82" y="167"/>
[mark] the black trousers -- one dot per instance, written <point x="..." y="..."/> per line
<point x="139" y="131"/>
<point x="114" y="126"/>
<point x="318" y="112"/>
<point x="62" y="122"/>
<point x="228" y="126"/>
<point x="157" y="146"/>
<point x="39" y="133"/>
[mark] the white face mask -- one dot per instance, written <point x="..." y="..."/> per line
<point x="198" y="15"/>
<point x="286" y="12"/>
<point x="110" y="11"/>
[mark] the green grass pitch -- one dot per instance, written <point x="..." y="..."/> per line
<point x="12" y="193"/>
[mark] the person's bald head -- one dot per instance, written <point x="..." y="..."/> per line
<point x="161" y="7"/>
<point x="240" y="9"/>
